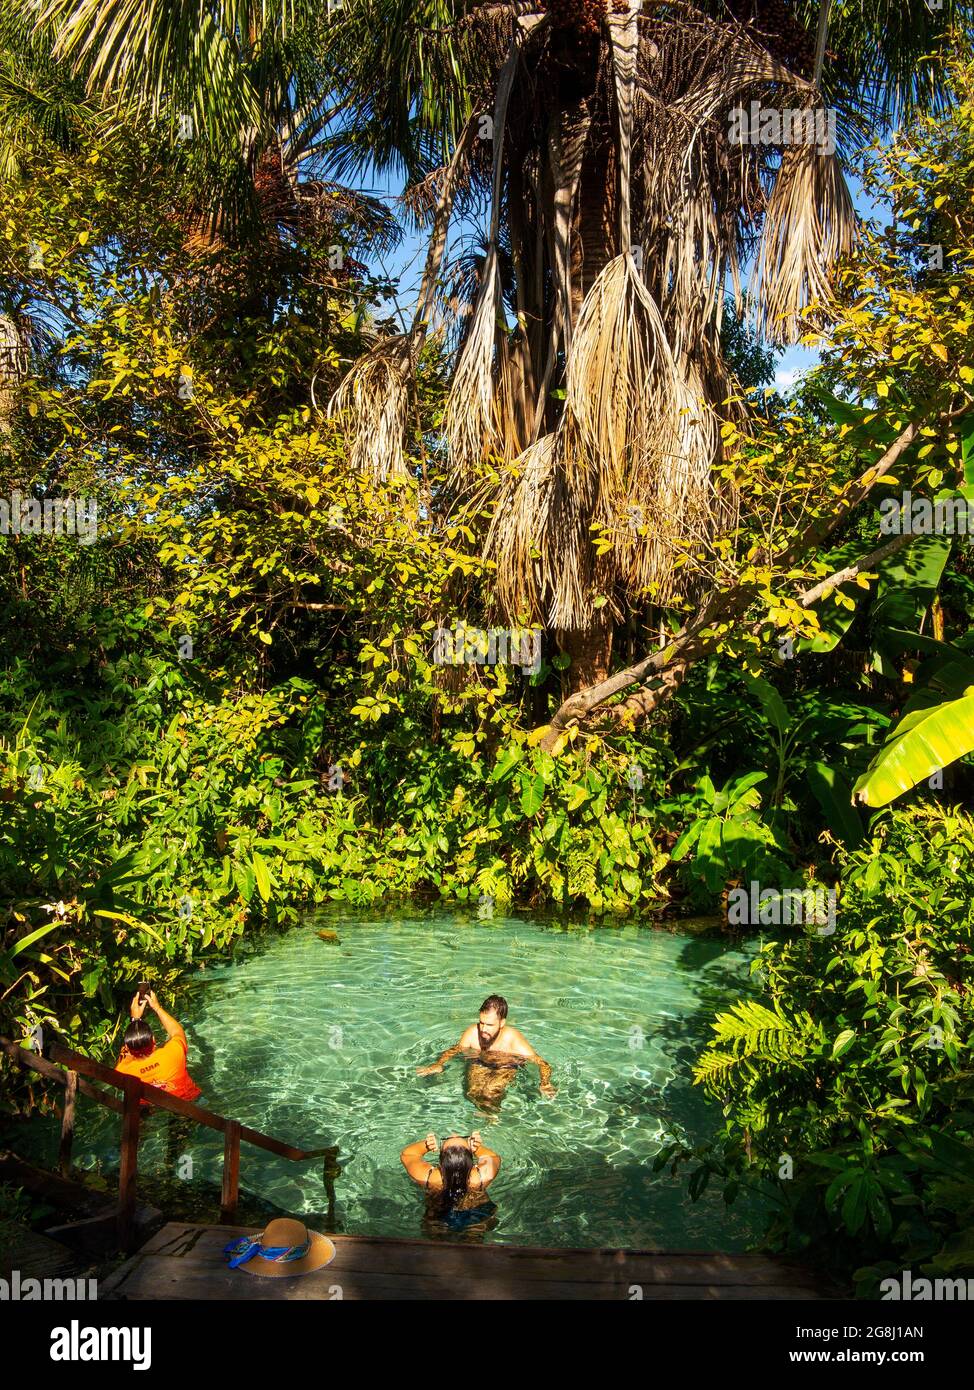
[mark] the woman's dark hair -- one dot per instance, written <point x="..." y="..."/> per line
<point x="495" y="1002"/>
<point x="138" y="1038"/>
<point x="456" y="1161"/>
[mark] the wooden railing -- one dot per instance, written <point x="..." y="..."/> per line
<point x="134" y="1092"/>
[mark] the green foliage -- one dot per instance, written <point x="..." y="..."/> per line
<point x="838" y="1091"/>
<point x="728" y="836"/>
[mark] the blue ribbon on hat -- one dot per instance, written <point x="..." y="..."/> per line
<point x="244" y="1249"/>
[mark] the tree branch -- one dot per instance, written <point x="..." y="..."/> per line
<point x="860" y="566"/>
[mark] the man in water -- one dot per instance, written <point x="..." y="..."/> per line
<point x="495" y="1051"/>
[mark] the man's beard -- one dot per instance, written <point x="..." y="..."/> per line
<point x="486" y="1038"/>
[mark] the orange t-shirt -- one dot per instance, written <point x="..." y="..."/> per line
<point x="164" y="1067"/>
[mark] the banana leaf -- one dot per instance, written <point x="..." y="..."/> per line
<point x="925" y="741"/>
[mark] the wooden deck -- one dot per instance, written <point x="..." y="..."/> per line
<point x="37" y="1256"/>
<point x="185" y="1261"/>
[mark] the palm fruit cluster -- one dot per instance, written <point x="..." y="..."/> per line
<point x="782" y="35"/>
<point x="271" y="185"/>
<point x="584" y="17"/>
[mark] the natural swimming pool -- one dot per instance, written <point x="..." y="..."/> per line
<point x="318" y="1043"/>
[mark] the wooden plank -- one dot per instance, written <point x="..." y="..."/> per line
<point x="231" y="1172"/>
<point x="155" y="1279"/>
<point x="204" y="1230"/>
<point x="67" y="1124"/>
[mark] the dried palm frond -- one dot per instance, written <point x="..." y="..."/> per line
<point x="328" y="209"/>
<point x="665" y="505"/>
<point x="450" y="182"/>
<point x="620" y="378"/>
<point x="511" y="406"/>
<point x="624" y="43"/>
<point x="566" y="148"/>
<point x="376" y="395"/>
<point x="683" y="503"/>
<point x="619" y="375"/>
<point x="574" y="571"/>
<point x="567" y="138"/>
<point x="518" y="524"/>
<point x="14" y="361"/>
<point x="704" y="190"/>
<point x="809" y="225"/>
<point x="470" y="420"/>
<point x="420" y="199"/>
<point x="540" y="540"/>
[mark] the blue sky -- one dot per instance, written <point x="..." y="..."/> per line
<point x="795" y="360"/>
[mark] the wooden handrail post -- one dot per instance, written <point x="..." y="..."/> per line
<point x="231" y="1173"/>
<point x="67" y="1123"/>
<point x="129" y="1162"/>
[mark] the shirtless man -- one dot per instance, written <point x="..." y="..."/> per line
<point x="495" y="1051"/>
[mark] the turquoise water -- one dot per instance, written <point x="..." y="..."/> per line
<point x="317" y="1043"/>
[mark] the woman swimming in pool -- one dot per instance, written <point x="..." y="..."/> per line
<point x="457" y="1182"/>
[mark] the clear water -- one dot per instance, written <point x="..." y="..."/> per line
<point x="317" y="1043"/>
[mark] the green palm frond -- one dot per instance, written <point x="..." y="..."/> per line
<point x="409" y="69"/>
<point x="168" y="59"/>
<point x="231" y="83"/>
<point x="749" y="1034"/>
<point x="885" y="50"/>
<point x="42" y="104"/>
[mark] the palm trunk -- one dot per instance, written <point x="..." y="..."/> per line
<point x="595" y="245"/>
<point x="13" y="367"/>
<point x="590" y="651"/>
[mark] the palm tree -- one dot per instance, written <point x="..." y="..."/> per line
<point x="588" y="382"/>
<point x="238" y="101"/>
<point x="13" y="353"/>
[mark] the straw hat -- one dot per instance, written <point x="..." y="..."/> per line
<point x="283" y="1248"/>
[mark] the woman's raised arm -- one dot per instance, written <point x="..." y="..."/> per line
<point x="413" y="1162"/>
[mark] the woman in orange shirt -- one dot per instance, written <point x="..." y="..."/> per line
<point x="164" y="1066"/>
